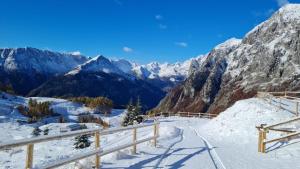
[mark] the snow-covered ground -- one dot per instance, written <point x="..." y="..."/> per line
<point x="70" y="110"/>
<point x="228" y="141"/>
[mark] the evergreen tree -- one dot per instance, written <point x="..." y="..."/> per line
<point x="138" y="107"/>
<point x="82" y="142"/>
<point x="46" y="131"/>
<point x="133" y="113"/>
<point x="36" y="131"/>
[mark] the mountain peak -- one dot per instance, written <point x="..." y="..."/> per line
<point x="289" y="11"/>
<point x="232" y="42"/>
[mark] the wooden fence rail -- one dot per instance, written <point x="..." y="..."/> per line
<point x="284" y="97"/>
<point x="188" y="114"/>
<point x="98" y="152"/>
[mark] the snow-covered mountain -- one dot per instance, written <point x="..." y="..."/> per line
<point x="35" y="72"/>
<point x="24" y="69"/>
<point x="163" y="75"/>
<point x="36" y="60"/>
<point x="100" y="64"/>
<point x="267" y="58"/>
<point x="155" y="70"/>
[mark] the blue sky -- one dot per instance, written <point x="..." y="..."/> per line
<point x="137" y="30"/>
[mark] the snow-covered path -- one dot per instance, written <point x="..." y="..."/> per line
<point x="189" y="153"/>
<point x="179" y="146"/>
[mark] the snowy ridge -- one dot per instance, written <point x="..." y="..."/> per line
<point x="228" y="44"/>
<point x="288" y="13"/>
<point x="165" y="70"/>
<point x="153" y="70"/>
<point x="274" y="42"/>
<point x="43" y="61"/>
<point x="97" y="64"/>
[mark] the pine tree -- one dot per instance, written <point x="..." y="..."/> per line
<point x="133" y="113"/>
<point x="36" y="131"/>
<point x="46" y="131"/>
<point x="82" y="142"/>
<point x="138" y="107"/>
<point x="138" y="111"/>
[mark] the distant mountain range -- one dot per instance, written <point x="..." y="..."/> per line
<point x="35" y="72"/>
<point x="266" y="59"/>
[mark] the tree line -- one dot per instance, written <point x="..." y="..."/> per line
<point x="99" y="104"/>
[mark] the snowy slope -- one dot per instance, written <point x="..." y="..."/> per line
<point x="228" y="141"/>
<point x="68" y="109"/>
<point x="234" y="134"/>
<point x="240" y="120"/>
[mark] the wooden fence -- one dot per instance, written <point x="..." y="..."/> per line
<point x="188" y="114"/>
<point x="263" y="129"/>
<point x="282" y="96"/>
<point x="98" y="152"/>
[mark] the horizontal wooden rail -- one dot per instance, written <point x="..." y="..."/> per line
<point x="283" y="137"/>
<point x="282" y="130"/>
<point x="188" y="114"/>
<point x="286" y="98"/>
<point x="92" y="153"/>
<point x="281" y="123"/>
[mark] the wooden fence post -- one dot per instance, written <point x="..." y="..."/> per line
<point x="155" y="135"/>
<point x="29" y="157"/>
<point x="263" y="144"/>
<point x="97" y="146"/>
<point x="259" y="140"/>
<point x="134" y="140"/>
<point x="297" y="108"/>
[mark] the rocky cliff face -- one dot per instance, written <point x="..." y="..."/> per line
<point x="266" y="59"/>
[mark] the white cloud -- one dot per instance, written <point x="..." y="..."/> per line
<point x="162" y="26"/>
<point x="158" y="17"/>
<point x="181" y="44"/>
<point x="127" y="49"/>
<point x="282" y="2"/>
<point x="76" y="53"/>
